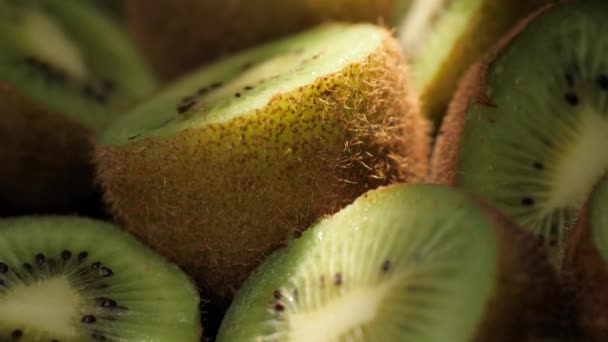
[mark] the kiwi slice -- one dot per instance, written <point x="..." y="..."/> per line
<point x="65" y="70"/>
<point x="586" y="265"/>
<point x="442" y="38"/>
<point x="402" y="263"/>
<point x="179" y="35"/>
<point x="73" y="279"/>
<point x="229" y="161"/>
<point x="528" y="128"/>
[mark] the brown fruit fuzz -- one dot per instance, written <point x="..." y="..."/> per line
<point x="219" y="197"/>
<point x="53" y="176"/>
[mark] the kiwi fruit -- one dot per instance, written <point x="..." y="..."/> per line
<point x="73" y="280"/>
<point x="528" y="128"/>
<point x="442" y="38"/>
<point x="402" y="263"/>
<point x="230" y="161"/>
<point x="586" y="265"/>
<point x="65" y="71"/>
<point x="179" y="35"/>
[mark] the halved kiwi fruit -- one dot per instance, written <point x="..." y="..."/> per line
<point x="586" y="265"/>
<point x="402" y="263"/>
<point x="529" y="127"/>
<point x="65" y="70"/>
<point x="442" y="38"/>
<point x="179" y="35"/>
<point x="73" y="280"/>
<point x="229" y="161"/>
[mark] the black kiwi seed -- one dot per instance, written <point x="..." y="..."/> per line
<point x="215" y="85"/>
<point x="279" y="307"/>
<point x="527" y="201"/>
<point x="28" y="267"/>
<point x="107" y="303"/>
<point x="571" y="98"/>
<point x="184" y="106"/>
<point x="277" y="294"/>
<point x="248" y="87"/>
<point x="16" y="334"/>
<point x="66" y="255"/>
<point x="3" y="268"/>
<point x="105" y="272"/>
<point x="538" y="165"/>
<point x="202" y="91"/>
<point x="82" y="256"/>
<point x="89" y="319"/>
<point x="338" y="279"/>
<point x="386" y="266"/>
<point x="40" y="259"/>
<point x="237" y="94"/>
<point x="602" y="81"/>
<point x="134" y="136"/>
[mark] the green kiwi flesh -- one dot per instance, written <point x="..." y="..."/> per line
<point x="73" y="279"/>
<point x="529" y="129"/>
<point x="402" y="263"/>
<point x="67" y="57"/>
<point x="249" y="150"/>
<point x="444" y="37"/>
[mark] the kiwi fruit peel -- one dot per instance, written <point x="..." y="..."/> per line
<point x="404" y="262"/>
<point x="73" y="279"/>
<point x="65" y="71"/>
<point x="224" y="28"/>
<point x="528" y="128"/>
<point x="586" y="266"/>
<point x="442" y="38"/>
<point x="230" y="161"/>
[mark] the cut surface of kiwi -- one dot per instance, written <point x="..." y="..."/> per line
<point x="69" y="58"/>
<point x="65" y="71"/>
<point x="249" y="150"/>
<point x="442" y="38"/>
<point x="201" y="31"/>
<point x="405" y="262"/>
<point x="527" y="131"/>
<point x="74" y="279"/>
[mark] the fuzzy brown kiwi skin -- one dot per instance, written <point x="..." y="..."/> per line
<point x="45" y="159"/>
<point x="218" y="231"/>
<point x="177" y="36"/>
<point x="471" y="90"/>
<point x="525" y="304"/>
<point x="585" y="278"/>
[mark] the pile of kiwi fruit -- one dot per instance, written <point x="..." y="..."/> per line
<point x="306" y="170"/>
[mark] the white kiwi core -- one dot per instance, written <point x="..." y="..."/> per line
<point x="51" y="304"/>
<point x="339" y="316"/>
<point x="584" y="162"/>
